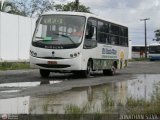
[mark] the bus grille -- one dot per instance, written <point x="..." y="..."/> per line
<point x="51" y="57"/>
<point x="53" y="66"/>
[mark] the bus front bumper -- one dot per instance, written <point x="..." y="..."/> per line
<point x="56" y="64"/>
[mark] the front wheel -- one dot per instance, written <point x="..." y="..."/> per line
<point x="44" y="73"/>
<point x="86" y="73"/>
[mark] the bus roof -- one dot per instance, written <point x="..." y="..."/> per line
<point x="68" y="13"/>
<point x="87" y="15"/>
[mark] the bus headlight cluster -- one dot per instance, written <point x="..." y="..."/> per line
<point x="74" y="55"/>
<point x="32" y="53"/>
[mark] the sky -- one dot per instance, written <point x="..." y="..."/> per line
<point x="128" y="13"/>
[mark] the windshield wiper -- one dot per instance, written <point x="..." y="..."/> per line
<point x="40" y="38"/>
<point x="67" y="37"/>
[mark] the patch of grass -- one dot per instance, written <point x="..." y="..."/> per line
<point x="142" y="106"/>
<point x="74" y="109"/>
<point x="14" y="65"/>
<point x="85" y="112"/>
<point x="108" y="104"/>
<point x="139" y="59"/>
<point x="139" y="106"/>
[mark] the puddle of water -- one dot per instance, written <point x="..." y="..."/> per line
<point x="141" y="87"/>
<point x="27" y="84"/>
<point x="15" y="105"/>
<point x="10" y="91"/>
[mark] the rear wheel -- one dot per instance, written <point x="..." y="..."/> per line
<point x="44" y="73"/>
<point x="111" y="71"/>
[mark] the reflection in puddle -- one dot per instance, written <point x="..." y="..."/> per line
<point x="10" y="91"/>
<point x="14" y="105"/>
<point x="28" y="84"/>
<point x="141" y="87"/>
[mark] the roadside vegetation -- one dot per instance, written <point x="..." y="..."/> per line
<point x="110" y="106"/>
<point x="14" y="65"/>
<point x="139" y="59"/>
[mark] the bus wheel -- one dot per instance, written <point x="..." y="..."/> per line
<point x="44" y="73"/>
<point x="86" y="73"/>
<point x="111" y="71"/>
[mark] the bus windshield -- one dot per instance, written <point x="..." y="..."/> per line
<point x="60" y="30"/>
<point x="154" y="49"/>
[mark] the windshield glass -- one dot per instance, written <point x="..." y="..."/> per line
<point x="60" y="30"/>
<point x="154" y="49"/>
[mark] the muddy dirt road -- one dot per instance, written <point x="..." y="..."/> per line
<point x="20" y="83"/>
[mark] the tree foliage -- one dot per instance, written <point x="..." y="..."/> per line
<point x="10" y="7"/>
<point x="157" y="35"/>
<point x="34" y="8"/>
<point x="72" y="7"/>
<point x="30" y="8"/>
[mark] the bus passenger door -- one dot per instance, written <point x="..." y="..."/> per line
<point x="90" y="36"/>
<point x="90" y="45"/>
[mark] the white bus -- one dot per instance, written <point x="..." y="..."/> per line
<point x="154" y="51"/>
<point x="136" y="49"/>
<point x="79" y="43"/>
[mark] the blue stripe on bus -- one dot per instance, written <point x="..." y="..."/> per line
<point x="154" y="57"/>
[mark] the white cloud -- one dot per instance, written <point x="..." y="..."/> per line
<point x="129" y="12"/>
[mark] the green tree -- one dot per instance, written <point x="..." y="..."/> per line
<point x="10" y="7"/>
<point x="157" y="35"/>
<point x="71" y="6"/>
<point x="33" y="8"/>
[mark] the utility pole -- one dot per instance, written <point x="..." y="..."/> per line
<point x="77" y="5"/>
<point x="2" y="2"/>
<point x="145" y="34"/>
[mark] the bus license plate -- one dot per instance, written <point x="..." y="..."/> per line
<point x="52" y="62"/>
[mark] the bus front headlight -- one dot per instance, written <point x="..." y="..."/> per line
<point x="74" y="55"/>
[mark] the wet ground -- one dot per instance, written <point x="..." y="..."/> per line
<point x="25" y="92"/>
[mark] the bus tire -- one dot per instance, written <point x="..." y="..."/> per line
<point x="112" y="71"/>
<point x="44" y="73"/>
<point x="109" y="72"/>
<point x="86" y="73"/>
